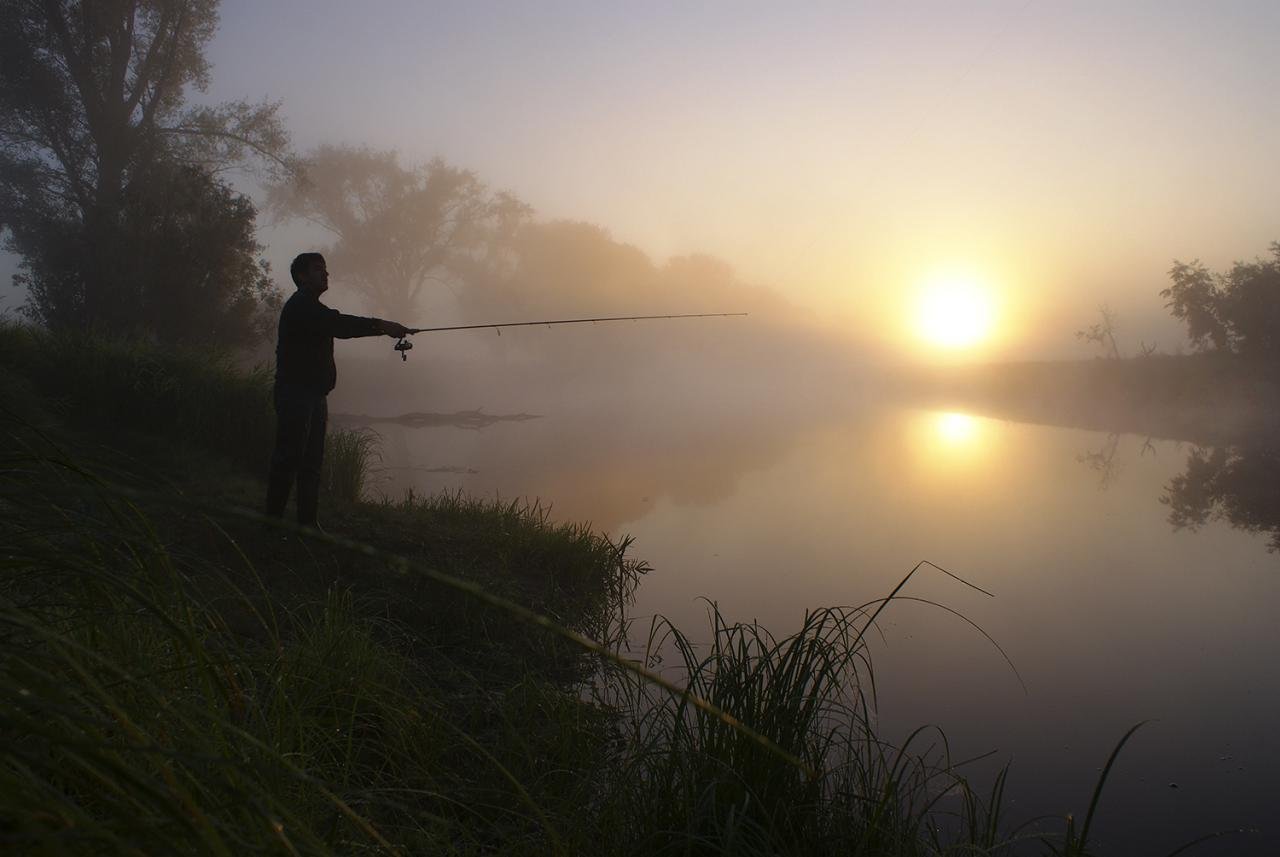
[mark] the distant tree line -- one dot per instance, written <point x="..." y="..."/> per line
<point x="1235" y="312"/>
<point x="113" y="190"/>
<point x="114" y="196"/>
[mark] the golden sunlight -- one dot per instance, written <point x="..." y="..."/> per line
<point x="954" y="311"/>
<point x="956" y="428"/>
<point x="950" y="443"/>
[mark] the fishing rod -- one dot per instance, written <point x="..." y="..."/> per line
<point x="403" y="345"/>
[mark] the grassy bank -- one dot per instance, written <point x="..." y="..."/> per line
<point x="436" y="676"/>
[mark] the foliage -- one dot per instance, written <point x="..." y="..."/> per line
<point x="1250" y="304"/>
<point x="1238" y="311"/>
<point x="94" y="132"/>
<point x="398" y="229"/>
<point x="195" y="396"/>
<point x="1194" y="298"/>
<point x="187" y="260"/>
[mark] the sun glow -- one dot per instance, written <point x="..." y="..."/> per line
<point x="954" y="311"/>
<point x="955" y="429"/>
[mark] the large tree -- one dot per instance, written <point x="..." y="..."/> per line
<point x="1251" y="306"/>
<point x="399" y="230"/>
<point x="1237" y="311"/>
<point x="1194" y="298"/>
<point x="92" y="108"/>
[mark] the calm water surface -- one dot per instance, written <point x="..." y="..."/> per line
<point x="1110" y="614"/>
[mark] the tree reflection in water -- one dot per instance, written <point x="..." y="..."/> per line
<point x="1104" y="462"/>
<point x="1240" y="485"/>
<point x="1236" y="484"/>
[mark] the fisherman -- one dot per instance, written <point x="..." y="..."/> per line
<point x="305" y="373"/>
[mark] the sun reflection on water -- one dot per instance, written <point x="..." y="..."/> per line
<point x="952" y="441"/>
<point x="956" y="429"/>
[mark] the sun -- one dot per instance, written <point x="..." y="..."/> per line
<point x="954" y="311"/>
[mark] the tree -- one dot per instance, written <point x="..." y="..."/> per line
<point x="1103" y="333"/>
<point x="1250" y="305"/>
<point x="1238" y="311"/>
<point x="1194" y="298"/>
<point x="398" y="229"/>
<point x="189" y="228"/>
<point x="92" y="106"/>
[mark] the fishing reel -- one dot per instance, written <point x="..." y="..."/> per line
<point x="403" y="345"/>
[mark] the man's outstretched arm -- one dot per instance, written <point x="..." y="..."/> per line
<point x="343" y="326"/>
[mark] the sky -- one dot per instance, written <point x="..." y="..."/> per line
<point x="1054" y="155"/>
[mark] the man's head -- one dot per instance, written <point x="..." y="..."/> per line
<point x="309" y="272"/>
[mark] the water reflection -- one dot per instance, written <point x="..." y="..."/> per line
<point x="1236" y="485"/>
<point x="769" y="511"/>
<point x="1103" y="461"/>
<point x="956" y="429"/>
<point x="951" y="443"/>
<point x="608" y="467"/>
<point x="1239" y="485"/>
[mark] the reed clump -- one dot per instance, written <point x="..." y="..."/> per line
<point x="351" y="457"/>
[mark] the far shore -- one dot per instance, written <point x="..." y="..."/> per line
<point x="1207" y="399"/>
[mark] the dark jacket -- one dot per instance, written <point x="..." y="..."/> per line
<point x="304" y="342"/>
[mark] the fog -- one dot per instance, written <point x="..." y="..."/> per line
<point x="951" y="237"/>
<point x="835" y="154"/>
<point x="833" y="157"/>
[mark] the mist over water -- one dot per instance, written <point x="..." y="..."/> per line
<point x="950" y="231"/>
<point x="770" y="498"/>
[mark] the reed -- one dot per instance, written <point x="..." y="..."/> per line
<point x="350" y="462"/>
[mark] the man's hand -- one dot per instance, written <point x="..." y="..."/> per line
<point x="391" y="328"/>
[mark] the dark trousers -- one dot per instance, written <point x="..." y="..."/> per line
<point x="301" y="419"/>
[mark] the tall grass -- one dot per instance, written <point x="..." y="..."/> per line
<point x="350" y="457"/>
<point x="157" y="702"/>
<point x="193" y="397"/>
<point x="703" y="788"/>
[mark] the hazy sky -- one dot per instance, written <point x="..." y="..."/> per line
<point x="1061" y="153"/>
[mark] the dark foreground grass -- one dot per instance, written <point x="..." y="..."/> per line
<point x="178" y="677"/>
<point x="158" y="702"/>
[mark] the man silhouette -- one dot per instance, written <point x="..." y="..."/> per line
<point x="305" y="373"/>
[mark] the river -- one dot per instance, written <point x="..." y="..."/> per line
<point x="1111" y="608"/>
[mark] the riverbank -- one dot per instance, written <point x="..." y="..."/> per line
<point x="182" y="677"/>
<point x="1207" y="399"/>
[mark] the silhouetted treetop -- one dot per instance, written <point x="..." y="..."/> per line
<point x="92" y="106"/>
<point x="1238" y="311"/>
